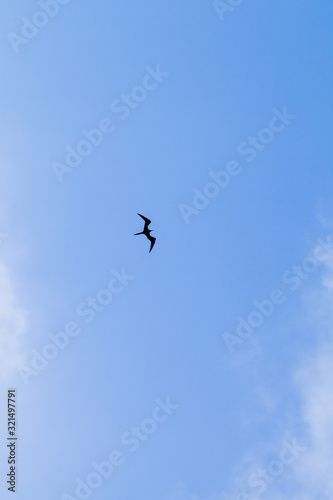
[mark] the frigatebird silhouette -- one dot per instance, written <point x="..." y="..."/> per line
<point x="147" y="232"/>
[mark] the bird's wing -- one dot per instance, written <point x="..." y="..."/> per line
<point x="147" y="221"/>
<point x="145" y="218"/>
<point x="152" y="240"/>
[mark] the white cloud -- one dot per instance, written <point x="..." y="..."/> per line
<point x="314" y="380"/>
<point x="13" y="326"/>
<point x="310" y="477"/>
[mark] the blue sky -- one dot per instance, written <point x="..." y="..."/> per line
<point x="219" y="81"/>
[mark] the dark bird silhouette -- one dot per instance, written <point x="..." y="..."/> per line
<point x="147" y="232"/>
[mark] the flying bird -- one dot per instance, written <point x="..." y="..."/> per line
<point x="147" y="232"/>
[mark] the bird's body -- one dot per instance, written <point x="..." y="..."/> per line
<point x="147" y="232"/>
